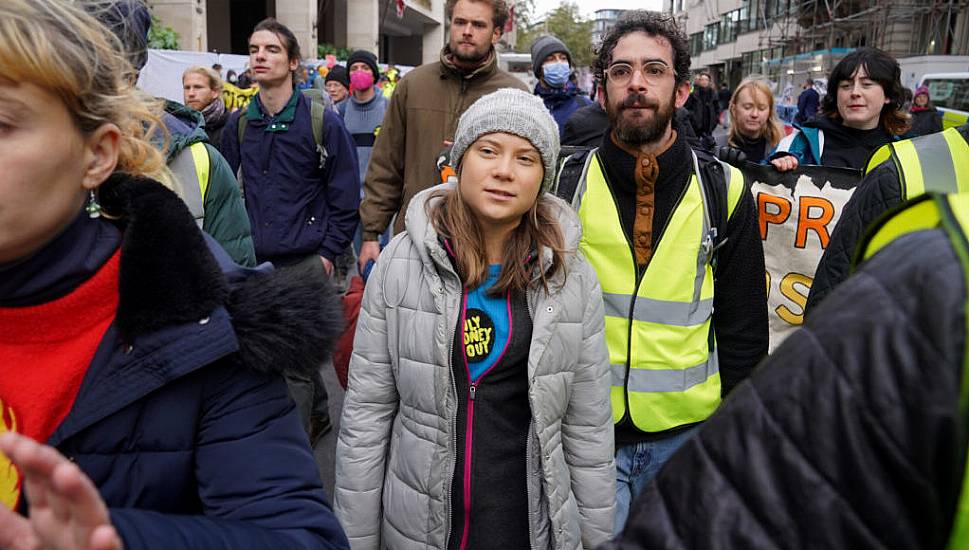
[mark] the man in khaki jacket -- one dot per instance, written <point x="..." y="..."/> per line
<point x="423" y="115"/>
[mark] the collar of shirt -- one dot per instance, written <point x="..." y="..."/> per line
<point x="278" y="123"/>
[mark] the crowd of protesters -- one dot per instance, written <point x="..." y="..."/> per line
<point x="545" y="339"/>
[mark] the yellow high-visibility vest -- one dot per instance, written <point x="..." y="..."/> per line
<point x="936" y="162"/>
<point x="661" y="344"/>
<point x="191" y="170"/>
<point x="951" y="214"/>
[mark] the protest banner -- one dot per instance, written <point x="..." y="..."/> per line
<point x="797" y="211"/>
<point x="236" y="97"/>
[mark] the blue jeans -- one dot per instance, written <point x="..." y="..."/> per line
<point x="637" y="465"/>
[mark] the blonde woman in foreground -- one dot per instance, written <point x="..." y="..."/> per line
<point x="139" y="400"/>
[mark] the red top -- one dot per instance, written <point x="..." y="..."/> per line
<point x="45" y="351"/>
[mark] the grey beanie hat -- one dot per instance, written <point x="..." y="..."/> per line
<point x="510" y="111"/>
<point x="545" y="46"/>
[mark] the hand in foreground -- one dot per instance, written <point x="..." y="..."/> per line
<point x="785" y="163"/>
<point x="66" y="510"/>
<point x="370" y="250"/>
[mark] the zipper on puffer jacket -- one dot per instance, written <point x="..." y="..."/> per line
<point x="454" y="419"/>
<point x="469" y="419"/>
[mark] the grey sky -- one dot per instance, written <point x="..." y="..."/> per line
<point x="588" y="7"/>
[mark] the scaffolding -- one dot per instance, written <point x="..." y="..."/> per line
<point x="800" y="38"/>
<point x="900" y="27"/>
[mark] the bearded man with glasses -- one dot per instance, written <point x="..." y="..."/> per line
<point x="673" y="235"/>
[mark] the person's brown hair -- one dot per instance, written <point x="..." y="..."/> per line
<point x="539" y="229"/>
<point x="773" y="130"/>
<point x="499" y="11"/>
<point x="881" y="68"/>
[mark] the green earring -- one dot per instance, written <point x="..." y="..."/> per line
<point x="93" y="209"/>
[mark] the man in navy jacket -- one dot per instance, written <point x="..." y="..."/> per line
<point x="807" y="103"/>
<point x="302" y="203"/>
<point x="297" y="208"/>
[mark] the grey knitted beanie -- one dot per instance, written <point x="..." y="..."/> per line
<point x="510" y="111"/>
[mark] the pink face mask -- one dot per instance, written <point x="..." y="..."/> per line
<point x="361" y="80"/>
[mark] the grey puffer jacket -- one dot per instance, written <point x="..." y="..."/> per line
<point x="395" y="453"/>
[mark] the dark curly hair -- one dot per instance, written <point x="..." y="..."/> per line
<point x="652" y="23"/>
<point x="881" y="68"/>
<point x="499" y="11"/>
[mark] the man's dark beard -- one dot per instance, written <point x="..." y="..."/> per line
<point x="473" y="60"/>
<point x="633" y="134"/>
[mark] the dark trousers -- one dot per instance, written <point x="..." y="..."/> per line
<point x="309" y="391"/>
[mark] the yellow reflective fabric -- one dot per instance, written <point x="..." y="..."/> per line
<point x="735" y="188"/>
<point x="937" y="162"/>
<point x="911" y="168"/>
<point x="952" y="119"/>
<point x="959" y="151"/>
<point x="923" y="215"/>
<point x="664" y="369"/>
<point x="882" y="154"/>
<point x="951" y="212"/>
<point x="959" y="207"/>
<point x="200" y="156"/>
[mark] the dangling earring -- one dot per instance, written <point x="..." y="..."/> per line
<point x="93" y="209"/>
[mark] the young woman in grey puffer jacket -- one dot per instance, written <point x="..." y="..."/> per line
<point x="477" y="413"/>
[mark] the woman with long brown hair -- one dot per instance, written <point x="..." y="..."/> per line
<point x="477" y="413"/>
<point x="755" y="128"/>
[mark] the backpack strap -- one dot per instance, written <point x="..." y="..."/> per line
<point x="200" y="155"/>
<point x="723" y="186"/>
<point x="243" y="122"/>
<point x="571" y="174"/>
<point x="317" y="115"/>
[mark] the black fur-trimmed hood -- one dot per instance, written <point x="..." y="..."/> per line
<point x="285" y="320"/>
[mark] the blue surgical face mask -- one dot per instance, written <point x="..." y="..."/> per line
<point x="556" y="74"/>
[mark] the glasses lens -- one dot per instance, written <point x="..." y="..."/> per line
<point x="620" y="73"/>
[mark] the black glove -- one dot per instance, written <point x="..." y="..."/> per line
<point x="730" y="155"/>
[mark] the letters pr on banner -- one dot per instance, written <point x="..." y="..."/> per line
<point x="798" y="211"/>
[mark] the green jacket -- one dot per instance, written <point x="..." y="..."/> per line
<point x="224" y="212"/>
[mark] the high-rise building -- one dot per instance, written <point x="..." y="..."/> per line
<point x="604" y="20"/>
<point x="790" y="40"/>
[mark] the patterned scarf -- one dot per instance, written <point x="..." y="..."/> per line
<point x="214" y="112"/>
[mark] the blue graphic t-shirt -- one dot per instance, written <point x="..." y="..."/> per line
<point x="487" y="326"/>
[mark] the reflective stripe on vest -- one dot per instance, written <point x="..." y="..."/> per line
<point x="951" y="213"/>
<point x="936" y="162"/>
<point x="191" y="170"/>
<point x="659" y="334"/>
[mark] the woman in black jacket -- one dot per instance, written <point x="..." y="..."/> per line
<point x="926" y="119"/>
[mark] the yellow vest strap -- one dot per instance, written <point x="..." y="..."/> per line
<point x="665" y="380"/>
<point x="661" y="312"/>
<point x="201" y="157"/>
<point x="922" y="215"/>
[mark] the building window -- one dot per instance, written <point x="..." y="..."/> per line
<point x="711" y="36"/>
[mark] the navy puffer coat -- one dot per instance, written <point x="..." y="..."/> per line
<point x="183" y="421"/>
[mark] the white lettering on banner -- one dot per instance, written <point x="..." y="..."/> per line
<point x="796" y="226"/>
